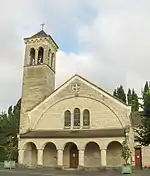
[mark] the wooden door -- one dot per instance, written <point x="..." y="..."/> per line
<point x="74" y="156"/>
<point x="138" y="158"/>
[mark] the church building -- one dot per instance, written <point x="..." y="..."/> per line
<point x="78" y="125"/>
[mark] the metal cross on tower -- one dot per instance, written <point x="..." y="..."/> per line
<point x="42" y="26"/>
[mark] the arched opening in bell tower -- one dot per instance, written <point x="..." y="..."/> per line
<point x="52" y="60"/>
<point x="40" y="55"/>
<point x="32" y="56"/>
<point x="49" y="53"/>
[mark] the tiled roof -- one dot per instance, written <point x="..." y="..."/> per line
<point x="42" y="34"/>
<point x="74" y="133"/>
<point x="39" y="34"/>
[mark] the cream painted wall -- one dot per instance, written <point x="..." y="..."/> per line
<point x="30" y="155"/>
<point x="66" y="156"/>
<point x="100" y="114"/>
<point x="106" y="111"/>
<point x="60" y="143"/>
<point x="92" y="156"/>
<point x="80" y="143"/>
<point x="50" y="155"/>
<point x="114" y="154"/>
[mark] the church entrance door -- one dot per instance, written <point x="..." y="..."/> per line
<point x="74" y="156"/>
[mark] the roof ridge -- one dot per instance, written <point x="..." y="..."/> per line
<point x="41" y="33"/>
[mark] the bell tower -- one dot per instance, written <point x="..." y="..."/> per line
<point x="39" y="70"/>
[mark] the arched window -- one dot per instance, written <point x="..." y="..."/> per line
<point x="49" y="52"/>
<point x="40" y="55"/>
<point x="32" y="56"/>
<point x="67" y="119"/>
<point x="76" y="117"/>
<point x="52" y="59"/>
<point x="86" y="118"/>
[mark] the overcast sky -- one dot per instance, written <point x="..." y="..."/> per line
<point x="105" y="41"/>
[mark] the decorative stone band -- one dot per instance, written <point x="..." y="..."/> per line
<point x="75" y="133"/>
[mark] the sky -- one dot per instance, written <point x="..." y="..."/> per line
<point x="105" y="41"/>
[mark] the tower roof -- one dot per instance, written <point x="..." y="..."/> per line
<point x="41" y="34"/>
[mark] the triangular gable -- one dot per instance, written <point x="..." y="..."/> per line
<point x="86" y="82"/>
<point x="107" y="94"/>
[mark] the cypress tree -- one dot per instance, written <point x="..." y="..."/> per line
<point x="129" y="97"/>
<point x="121" y="94"/>
<point x="134" y="102"/>
<point x="144" y="130"/>
<point x="115" y="93"/>
<point x="146" y="102"/>
<point x="146" y="87"/>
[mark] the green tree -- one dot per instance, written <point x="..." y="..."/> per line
<point x="125" y="153"/>
<point x="129" y="97"/>
<point x="134" y="101"/>
<point x="9" y="127"/>
<point x="115" y="93"/>
<point x="11" y="148"/>
<point x="120" y="94"/>
<point x="146" y="87"/>
<point x="144" y="130"/>
<point x="146" y="103"/>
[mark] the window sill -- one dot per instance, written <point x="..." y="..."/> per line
<point x="76" y="127"/>
<point x="67" y="127"/>
<point x="86" y="127"/>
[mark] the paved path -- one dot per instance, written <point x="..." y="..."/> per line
<point x="46" y="172"/>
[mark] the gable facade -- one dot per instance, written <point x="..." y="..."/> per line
<point x="102" y="108"/>
<point x="96" y="144"/>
